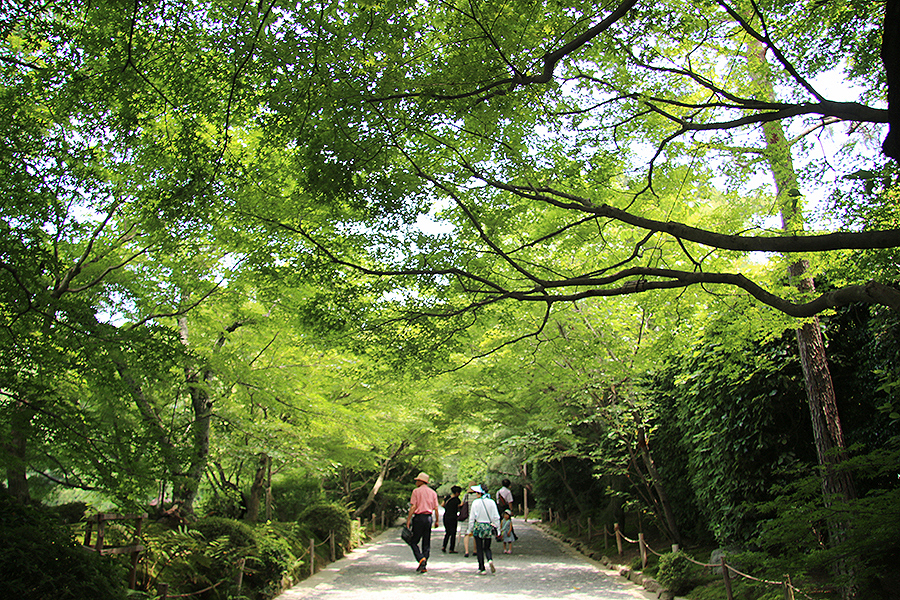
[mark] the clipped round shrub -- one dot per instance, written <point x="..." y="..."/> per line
<point x="39" y="559"/>
<point x="327" y="517"/>
<point x="239" y="534"/>
<point x="676" y="572"/>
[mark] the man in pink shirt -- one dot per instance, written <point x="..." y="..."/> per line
<point x="423" y="511"/>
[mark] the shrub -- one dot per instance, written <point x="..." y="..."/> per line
<point x="177" y="557"/>
<point x="393" y="500"/>
<point x="324" y="518"/>
<point x="278" y="561"/>
<point x="227" y="542"/>
<point x="228" y="505"/>
<point x="204" y="560"/>
<point x="290" y="496"/>
<point x="676" y="572"/>
<point x="40" y="559"/>
<point x="239" y="534"/>
<point x="71" y="512"/>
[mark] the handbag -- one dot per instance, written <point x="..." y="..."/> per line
<point x="463" y="512"/>
<point x="406" y="534"/>
<point x="481" y="530"/>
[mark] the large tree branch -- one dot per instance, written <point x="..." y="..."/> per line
<point x="634" y="281"/>
<point x="549" y="61"/>
<point x="486" y="291"/>
<point x="847" y="111"/>
<point x="767" y="41"/>
<point x="850" y="240"/>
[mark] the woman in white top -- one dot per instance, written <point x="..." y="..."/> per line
<point x="482" y="515"/>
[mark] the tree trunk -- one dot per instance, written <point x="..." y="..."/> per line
<point x="186" y="488"/>
<point x="890" y="57"/>
<point x="828" y="436"/>
<point x="257" y="488"/>
<point x="382" y="473"/>
<point x="656" y="482"/>
<point x="16" y="449"/>
<point x="561" y="473"/>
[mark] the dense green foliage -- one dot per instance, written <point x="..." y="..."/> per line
<point x="264" y="262"/>
<point x="677" y="573"/>
<point x="326" y="519"/>
<point x="40" y="559"/>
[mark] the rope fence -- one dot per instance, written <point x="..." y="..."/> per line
<point x="727" y="570"/>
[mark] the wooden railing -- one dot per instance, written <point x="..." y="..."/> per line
<point x="98" y="545"/>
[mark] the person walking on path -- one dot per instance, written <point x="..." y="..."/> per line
<point x="451" y="516"/>
<point x="504" y="496"/>
<point x="484" y="520"/>
<point x="507" y="533"/>
<point x="464" y="517"/>
<point x="423" y="511"/>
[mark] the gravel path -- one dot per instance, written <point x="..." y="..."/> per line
<point x="541" y="567"/>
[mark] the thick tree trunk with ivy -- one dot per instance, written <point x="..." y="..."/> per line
<point x="185" y="491"/>
<point x="186" y="488"/>
<point x="828" y="436"/>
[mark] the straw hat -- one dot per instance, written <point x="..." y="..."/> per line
<point x="423" y="477"/>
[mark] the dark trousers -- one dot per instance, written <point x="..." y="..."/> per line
<point x="450" y="535"/>
<point x="421" y="529"/>
<point x="483" y="549"/>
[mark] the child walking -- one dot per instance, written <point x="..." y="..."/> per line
<point x="507" y="533"/>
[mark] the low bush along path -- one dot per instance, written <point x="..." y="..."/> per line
<point x="540" y="567"/>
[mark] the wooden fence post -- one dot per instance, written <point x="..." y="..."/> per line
<point x="727" y="578"/>
<point x="132" y="576"/>
<point x="331" y="541"/>
<point x="382" y="519"/>
<point x="590" y="534"/>
<point x="312" y="556"/>
<point x="605" y="538"/>
<point x="525" y="502"/>
<point x="643" y="546"/>
<point x="618" y="539"/>
<point x="240" y="575"/>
